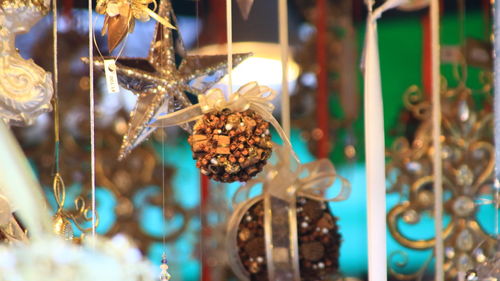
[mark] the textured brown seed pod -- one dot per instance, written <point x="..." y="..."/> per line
<point x="319" y="241"/>
<point x="231" y="146"/>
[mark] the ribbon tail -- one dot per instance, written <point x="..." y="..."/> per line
<point x="243" y="192"/>
<point x="389" y="4"/>
<point x="315" y="194"/>
<point x="177" y="118"/>
<point x="375" y="157"/>
<point x="280" y="235"/>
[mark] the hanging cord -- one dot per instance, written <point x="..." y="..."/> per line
<point x="163" y="167"/>
<point x="55" y="99"/>
<point x="229" y="33"/>
<point x="285" y="98"/>
<point x="460" y="70"/>
<point x="496" y="98"/>
<point x="322" y="114"/>
<point x="58" y="183"/>
<point x="436" y="137"/>
<point x="92" y="115"/>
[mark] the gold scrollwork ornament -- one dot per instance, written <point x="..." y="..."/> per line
<point x="468" y="164"/>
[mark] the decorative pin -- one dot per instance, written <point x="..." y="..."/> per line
<point x="164" y="275"/>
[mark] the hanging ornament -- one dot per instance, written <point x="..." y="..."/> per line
<point x="341" y="85"/>
<point x="245" y="7"/>
<point x="10" y="230"/>
<point x="25" y="88"/>
<point x="231" y="140"/>
<point x="166" y="81"/>
<point x="288" y="232"/>
<point x="164" y="275"/>
<point x="97" y="259"/>
<point x="61" y="221"/>
<point x="488" y="270"/>
<point x="319" y="240"/>
<point x="468" y="161"/>
<point x="231" y="146"/>
<point x="120" y="16"/>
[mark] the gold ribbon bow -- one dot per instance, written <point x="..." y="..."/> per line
<point x="249" y="96"/>
<point x="134" y="8"/>
<point x="312" y="180"/>
<point x="120" y="15"/>
<point x="282" y="182"/>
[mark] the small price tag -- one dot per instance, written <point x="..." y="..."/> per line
<point x="111" y="77"/>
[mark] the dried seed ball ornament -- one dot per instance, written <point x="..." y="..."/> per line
<point x="318" y="236"/>
<point x="231" y="146"/>
<point x="231" y="139"/>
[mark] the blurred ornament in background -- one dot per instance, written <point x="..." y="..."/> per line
<point x="489" y="270"/>
<point x="96" y="259"/>
<point x="25" y="88"/>
<point x="468" y="162"/>
<point x="10" y="229"/>
<point x="341" y="68"/>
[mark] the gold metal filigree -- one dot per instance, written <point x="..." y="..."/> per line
<point x="468" y="163"/>
<point x="63" y="219"/>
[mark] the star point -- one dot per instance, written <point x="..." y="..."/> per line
<point x="165" y="80"/>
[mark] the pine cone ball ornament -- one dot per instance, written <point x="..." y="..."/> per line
<point x="318" y="235"/>
<point x="231" y="146"/>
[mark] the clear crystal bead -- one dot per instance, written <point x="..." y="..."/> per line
<point x="413" y="167"/>
<point x="465" y="240"/>
<point x="463" y="206"/>
<point x="464" y="262"/>
<point x="479" y="255"/>
<point x="411" y="216"/>
<point x="463" y="111"/>
<point x="449" y="252"/>
<point x="464" y="176"/>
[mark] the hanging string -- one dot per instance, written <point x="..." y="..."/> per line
<point x="92" y="115"/>
<point x="285" y="97"/>
<point x="229" y="34"/>
<point x="436" y="138"/>
<point x="55" y="99"/>
<point x="496" y="98"/>
<point x="322" y="88"/>
<point x="58" y="184"/>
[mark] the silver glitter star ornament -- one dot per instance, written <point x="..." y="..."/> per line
<point x="166" y="81"/>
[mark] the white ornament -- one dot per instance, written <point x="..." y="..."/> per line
<point x="25" y="88"/>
